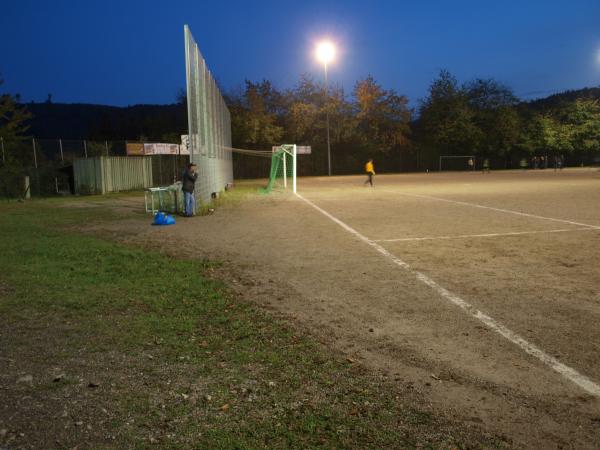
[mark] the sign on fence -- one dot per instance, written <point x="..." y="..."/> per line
<point x="185" y="142"/>
<point x="137" y="149"/>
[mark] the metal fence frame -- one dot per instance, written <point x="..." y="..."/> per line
<point x="49" y="164"/>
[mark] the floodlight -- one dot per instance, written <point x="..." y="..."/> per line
<point x="325" y="52"/>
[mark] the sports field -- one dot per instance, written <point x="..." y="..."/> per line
<point x="481" y="290"/>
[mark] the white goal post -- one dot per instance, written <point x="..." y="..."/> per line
<point x="288" y="172"/>
<point x="466" y="157"/>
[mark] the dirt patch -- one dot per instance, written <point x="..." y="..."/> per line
<point x="81" y="399"/>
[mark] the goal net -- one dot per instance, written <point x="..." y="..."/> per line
<point x="283" y="169"/>
<point x="277" y="164"/>
<point x="461" y="162"/>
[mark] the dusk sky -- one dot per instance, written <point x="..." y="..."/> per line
<point x="130" y="52"/>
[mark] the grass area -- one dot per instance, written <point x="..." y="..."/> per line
<point x="105" y="345"/>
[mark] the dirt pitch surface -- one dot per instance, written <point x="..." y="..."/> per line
<point x="482" y="290"/>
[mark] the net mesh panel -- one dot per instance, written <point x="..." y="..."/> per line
<point x="282" y="171"/>
<point x="209" y="124"/>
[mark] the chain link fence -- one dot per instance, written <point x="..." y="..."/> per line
<point x="44" y="167"/>
<point x="209" y="123"/>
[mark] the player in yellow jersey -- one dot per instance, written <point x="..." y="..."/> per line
<point x="370" y="169"/>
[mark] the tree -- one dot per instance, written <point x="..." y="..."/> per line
<point x="382" y="116"/>
<point x="531" y="131"/>
<point x="583" y="117"/>
<point x="489" y="94"/>
<point x="252" y="118"/>
<point x="13" y="118"/>
<point x="571" y="126"/>
<point x="493" y="106"/>
<point x="556" y="136"/>
<point x="13" y="124"/>
<point x="343" y="123"/>
<point x="303" y="117"/>
<point x="447" y="118"/>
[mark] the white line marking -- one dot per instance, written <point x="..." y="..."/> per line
<point x="510" y="211"/>
<point x="462" y="236"/>
<point x="569" y="373"/>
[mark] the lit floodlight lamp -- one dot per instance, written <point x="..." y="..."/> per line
<point x="325" y="52"/>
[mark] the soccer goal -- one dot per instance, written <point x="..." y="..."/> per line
<point x="460" y="162"/>
<point x="277" y="164"/>
<point x="283" y="168"/>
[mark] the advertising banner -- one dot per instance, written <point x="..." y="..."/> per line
<point x="138" y="149"/>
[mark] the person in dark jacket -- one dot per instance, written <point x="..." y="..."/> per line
<point x="188" y="183"/>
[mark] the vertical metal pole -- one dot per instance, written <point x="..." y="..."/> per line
<point x="34" y="155"/>
<point x="85" y="147"/>
<point x="327" y="119"/>
<point x="284" y="169"/>
<point x="295" y="172"/>
<point x="2" y="143"/>
<point x="160" y="170"/>
<point x="37" y="175"/>
<point x="188" y="79"/>
<point x="106" y="145"/>
<point x="62" y="157"/>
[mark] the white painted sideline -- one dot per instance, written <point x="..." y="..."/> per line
<point x="463" y="236"/>
<point x="567" y="372"/>
<point x="510" y="211"/>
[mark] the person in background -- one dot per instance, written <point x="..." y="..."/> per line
<point x="486" y="166"/>
<point x="558" y="162"/>
<point x="370" y="169"/>
<point x="471" y="164"/>
<point x="188" y="184"/>
<point x="523" y="164"/>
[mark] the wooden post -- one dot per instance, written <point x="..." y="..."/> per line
<point x="34" y="155"/>
<point x="27" y="187"/>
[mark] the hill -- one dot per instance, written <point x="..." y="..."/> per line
<point x="87" y="121"/>
<point x="564" y="97"/>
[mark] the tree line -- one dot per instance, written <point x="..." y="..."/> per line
<point x="480" y="117"/>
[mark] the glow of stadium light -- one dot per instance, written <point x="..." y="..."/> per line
<point x="325" y="52"/>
